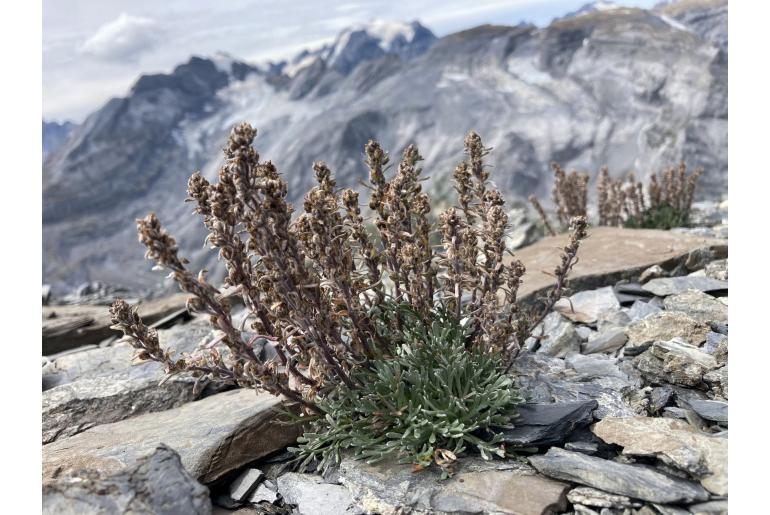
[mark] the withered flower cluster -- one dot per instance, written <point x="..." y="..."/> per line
<point x="623" y="202"/>
<point x="570" y="194"/>
<point x="313" y="283"/>
<point x="674" y="187"/>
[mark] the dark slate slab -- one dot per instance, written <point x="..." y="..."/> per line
<point x="549" y="424"/>
<point x="710" y="410"/>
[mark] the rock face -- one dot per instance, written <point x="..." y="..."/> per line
<point x="675" y="443"/>
<point x="54" y="135"/>
<point x="478" y="487"/>
<point x="213" y="436"/>
<point x="568" y="86"/>
<point x="157" y="484"/>
<point x="637" y="481"/>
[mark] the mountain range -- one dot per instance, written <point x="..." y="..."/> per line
<point x="626" y="87"/>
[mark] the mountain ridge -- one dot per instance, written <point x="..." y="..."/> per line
<point x="567" y="92"/>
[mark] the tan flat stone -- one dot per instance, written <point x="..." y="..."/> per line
<point x="70" y="326"/>
<point x="212" y="436"/>
<point x="608" y="255"/>
<point x="674" y="442"/>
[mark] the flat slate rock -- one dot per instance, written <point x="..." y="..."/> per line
<point x="608" y="340"/>
<point x="588" y="496"/>
<point x="673" y="285"/>
<point x="245" y="484"/>
<point x="213" y="436"/>
<point x="676" y="443"/>
<point x="478" y="486"/>
<point x="558" y="336"/>
<point x="312" y="496"/>
<point x="156" y="484"/>
<point x="116" y="359"/>
<point x="635" y="481"/>
<point x="585" y="306"/>
<point x="70" y="326"/>
<point x="609" y="255"/>
<point x="548" y="424"/>
<point x="101" y="385"/>
<point x="640" y="310"/>
<point x="710" y="410"/>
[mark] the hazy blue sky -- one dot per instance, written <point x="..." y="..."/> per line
<point x="95" y="49"/>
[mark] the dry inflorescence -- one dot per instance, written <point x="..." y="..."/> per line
<point x="623" y="202"/>
<point x="570" y="194"/>
<point x="316" y="285"/>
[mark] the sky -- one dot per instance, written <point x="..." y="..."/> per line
<point x="94" y="50"/>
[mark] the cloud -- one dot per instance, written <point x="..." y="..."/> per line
<point x="123" y="39"/>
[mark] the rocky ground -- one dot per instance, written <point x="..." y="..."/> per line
<point x="627" y="395"/>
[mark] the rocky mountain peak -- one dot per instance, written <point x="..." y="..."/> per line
<point x="562" y="93"/>
<point x="375" y="39"/>
<point x="365" y="42"/>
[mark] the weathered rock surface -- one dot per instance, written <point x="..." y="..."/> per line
<point x="636" y="481"/>
<point x="664" y="326"/>
<point x="546" y="379"/>
<point x="675" y="362"/>
<point x="116" y="359"/>
<point x="548" y="424"/>
<point x="594" y="366"/>
<point x="67" y="327"/>
<point x="640" y="310"/>
<point x="717" y="380"/>
<point x="494" y="487"/>
<point x="709" y="508"/>
<point x="609" y="255"/>
<point x="609" y="340"/>
<point x="213" y="436"/>
<point x="585" y="306"/>
<point x="588" y="496"/>
<point x="100" y="386"/>
<point x="245" y="484"/>
<point x="675" y="443"/>
<point x="312" y="496"/>
<point x="559" y="336"/>
<point x="698" y="305"/>
<point x="672" y="285"/>
<point x="710" y="410"/>
<point x="713" y="342"/>
<point x="717" y="269"/>
<point x="157" y="484"/>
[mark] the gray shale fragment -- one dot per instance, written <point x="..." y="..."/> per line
<point x="156" y="484"/>
<point x="637" y="481"/>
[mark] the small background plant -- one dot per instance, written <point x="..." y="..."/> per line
<point x="622" y="202"/>
<point x="389" y="343"/>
